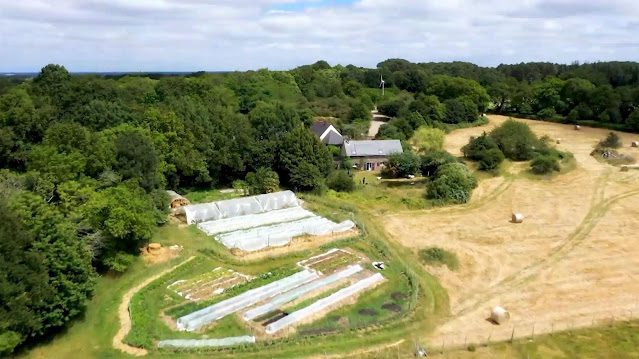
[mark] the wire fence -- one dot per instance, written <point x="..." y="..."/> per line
<point x="442" y="345"/>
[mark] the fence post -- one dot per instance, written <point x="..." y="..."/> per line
<point x="512" y="335"/>
<point x="533" y="331"/>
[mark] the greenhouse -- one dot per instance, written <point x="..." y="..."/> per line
<point x="324" y="303"/>
<point x="203" y="317"/>
<point x="206" y="343"/>
<point x="198" y="213"/>
<point x="253" y="220"/>
<point x="254" y="239"/>
<point x="300" y="291"/>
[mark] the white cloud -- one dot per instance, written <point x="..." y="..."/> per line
<point x="188" y="35"/>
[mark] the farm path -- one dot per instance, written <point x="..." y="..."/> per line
<point x="125" y="318"/>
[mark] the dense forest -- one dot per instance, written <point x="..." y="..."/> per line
<point x="85" y="160"/>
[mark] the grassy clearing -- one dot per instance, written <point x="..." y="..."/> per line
<point x="384" y="195"/>
<point x="438" y="256"/>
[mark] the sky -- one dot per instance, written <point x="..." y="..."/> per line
<point x="221" y="35"/>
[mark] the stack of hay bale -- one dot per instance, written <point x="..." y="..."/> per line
<point x="154" y="248"/>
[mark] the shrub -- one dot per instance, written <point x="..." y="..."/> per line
<point x="389" y="131"/>
<point x="477" y="145"/>
<point x="439" y="256"/>
<point x="428" y="139"/>
<point x="391" y="107"/>
<point x="340" y="181"/>
<point x="490" y="159"/>
<point x="611" y="141"/>
<point x="432" y="161"/>
<point x="633" y="120"/>
<point x="264" y="180"/>
<point x="547" y="113"/>
<point x="454" y="183"/>
<point x="516" y="141"/>
<point x="401" y="165"/>
<point x="459" y="110"/>
<point x="544" y="164"/>
<point x="119" y="262"/>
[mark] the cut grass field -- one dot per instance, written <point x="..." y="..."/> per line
<point x="572" y="261"/>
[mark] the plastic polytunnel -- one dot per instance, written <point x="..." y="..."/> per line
<point x="300" y="291"/>
<point x="322" y="304"/>
<point x="206" y="343"/>
<point x="203" y="317"/>
<point x="203" y="212"/>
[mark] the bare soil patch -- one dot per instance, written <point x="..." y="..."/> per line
<point x="573" y="262"/>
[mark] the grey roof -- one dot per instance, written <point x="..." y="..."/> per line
<point x="333" y="138"/>
<point x="319" y="127"/>
<point x="372" y="148"/>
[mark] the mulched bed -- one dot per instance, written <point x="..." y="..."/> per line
<point x="367" y="312"/>
<point x="392" y="307"/>
<point x="397" y="296"/>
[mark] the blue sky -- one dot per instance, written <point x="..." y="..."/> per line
<point x="303" y="5"/>
<point x="191" y="35"/>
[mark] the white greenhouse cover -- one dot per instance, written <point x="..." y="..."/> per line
<point x="254" y="239"/>
<point x="204" y="343"/>
<point x="202" y="317"/>
<point x="197" y="213"/>
<point x="300" y="291"/>
<point x="253" y="220"/>
<point x="324" y="303"/>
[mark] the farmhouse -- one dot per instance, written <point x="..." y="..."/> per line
<point x="327" y="133"/>
<point x="370" y="155"/>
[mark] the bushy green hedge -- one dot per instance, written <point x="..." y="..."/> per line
<point x="340" y="181"/>
<point x="516" y="140"/>
<point x="401" y="165"/>
<point x="454" y="183"/>
<point x="544" y="164"/>
<point x="432" y="161"/>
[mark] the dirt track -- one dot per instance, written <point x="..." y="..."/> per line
<point x="574" y="260"/>
<point x="125" y="319"/>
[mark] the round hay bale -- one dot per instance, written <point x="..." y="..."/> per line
<point x="558" y="141"/>
<point x="154" y="248"/>
<point x="517" y="218"/>
<point x="624" y="168"/>
<point x="499" y="315"/>
<point x="634" y="144"/>
<point x="577" y="127"/>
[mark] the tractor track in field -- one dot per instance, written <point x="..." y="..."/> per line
<point x="598" y="209"/>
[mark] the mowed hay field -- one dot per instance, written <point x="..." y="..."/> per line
<point x="573" y="262"/>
